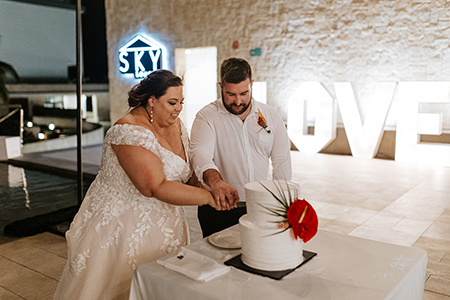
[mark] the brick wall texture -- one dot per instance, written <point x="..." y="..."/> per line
<point x="360" y="41"/>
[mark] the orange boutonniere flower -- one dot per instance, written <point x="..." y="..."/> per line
<point x="262" y="121"/>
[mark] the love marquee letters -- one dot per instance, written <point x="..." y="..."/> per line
<point x="365" y="136"/>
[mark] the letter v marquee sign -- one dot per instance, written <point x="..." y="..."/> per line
<point x="364" y="136"/>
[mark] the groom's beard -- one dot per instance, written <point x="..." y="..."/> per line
<point x="235" y="109"/>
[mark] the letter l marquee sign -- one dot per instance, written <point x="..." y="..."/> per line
<point x="141" y="56"/>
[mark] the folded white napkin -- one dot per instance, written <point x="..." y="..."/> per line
<point x="194" y="265"/>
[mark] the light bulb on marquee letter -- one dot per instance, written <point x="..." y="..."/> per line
<point x="309" y="93"/>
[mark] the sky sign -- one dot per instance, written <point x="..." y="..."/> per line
<point x="142" y="55"/>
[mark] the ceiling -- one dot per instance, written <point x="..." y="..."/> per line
<point x="71" y="4"/>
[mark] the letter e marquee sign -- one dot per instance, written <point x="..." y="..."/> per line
<point x="141" y="56"/>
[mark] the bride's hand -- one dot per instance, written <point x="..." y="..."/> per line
<point x="212" y="201"/>
<point x="226" y="197"/>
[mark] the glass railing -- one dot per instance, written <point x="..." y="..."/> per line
<point x="11" y="120"/>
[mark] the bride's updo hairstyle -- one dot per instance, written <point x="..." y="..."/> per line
<point x="155" y="84"/>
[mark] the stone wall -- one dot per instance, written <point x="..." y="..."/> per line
<point x="359" y="41"/>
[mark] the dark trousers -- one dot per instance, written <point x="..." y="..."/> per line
<point x="212" y="221"/>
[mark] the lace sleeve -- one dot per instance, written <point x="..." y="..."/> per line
<point x="132" y="135"/>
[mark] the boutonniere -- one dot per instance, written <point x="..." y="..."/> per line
<point x="262" y="122"/>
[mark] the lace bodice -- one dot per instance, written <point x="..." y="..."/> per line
<point x="175" y="168"/>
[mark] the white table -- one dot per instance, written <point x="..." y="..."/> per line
<point x="345" y="267"/>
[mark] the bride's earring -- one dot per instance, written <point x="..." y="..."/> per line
<point x="150" y="115"/>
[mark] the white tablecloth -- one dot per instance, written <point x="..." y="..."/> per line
<point x="345" y="267"/>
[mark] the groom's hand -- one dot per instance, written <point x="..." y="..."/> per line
<point x="225" y="196"/>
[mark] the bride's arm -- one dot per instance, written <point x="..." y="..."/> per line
<point x="145" y="170"/>
<point x="194" y="181"/>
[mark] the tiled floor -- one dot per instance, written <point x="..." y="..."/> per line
<point x="376" y="199"/>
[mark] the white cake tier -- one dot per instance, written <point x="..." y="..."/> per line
<point x="259" y="199"/>
<point x="264" y="250"/>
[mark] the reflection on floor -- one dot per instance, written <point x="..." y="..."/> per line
<point x="24" y="197"/>
<point x="376" y="199"/>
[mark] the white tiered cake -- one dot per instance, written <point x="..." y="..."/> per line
<point x="264" y="245"/>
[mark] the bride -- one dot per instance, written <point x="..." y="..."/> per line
<point x="132" y="211"/>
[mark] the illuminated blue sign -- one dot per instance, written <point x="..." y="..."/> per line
<point x="141" y="56"/>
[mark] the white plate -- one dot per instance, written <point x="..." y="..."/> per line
<point x="226" y="240"/>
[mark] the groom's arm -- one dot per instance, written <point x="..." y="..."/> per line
<point x="202" y="149"/>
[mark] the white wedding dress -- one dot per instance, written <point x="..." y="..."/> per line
<point x="117" y="228"/>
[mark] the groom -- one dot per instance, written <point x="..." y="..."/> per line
<point x="233" y="141"/>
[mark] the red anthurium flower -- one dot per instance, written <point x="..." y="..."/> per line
<point x="261" y="122"/>
<point x="303" y="219"/>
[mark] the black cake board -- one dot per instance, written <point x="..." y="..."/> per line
<point x="237" y="262"/>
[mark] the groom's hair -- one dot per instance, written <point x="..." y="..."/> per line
<point x="235" y="70"/>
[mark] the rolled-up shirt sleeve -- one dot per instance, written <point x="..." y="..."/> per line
<point x="203" y="140"/>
